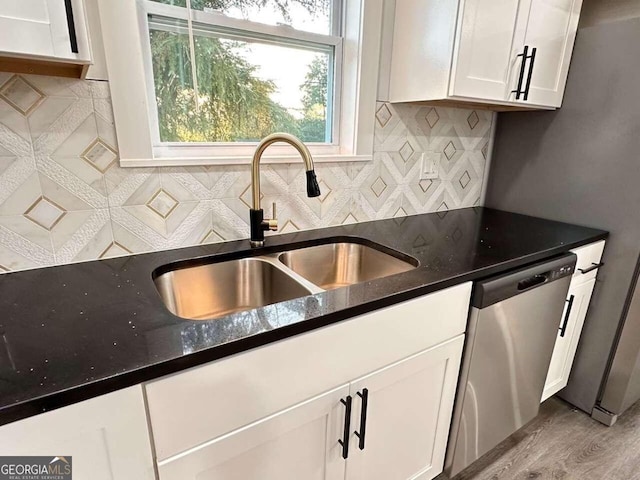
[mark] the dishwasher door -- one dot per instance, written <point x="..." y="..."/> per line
<point x="512" y="331"/>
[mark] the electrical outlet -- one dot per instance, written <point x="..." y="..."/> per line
<point x="430" y="165"/>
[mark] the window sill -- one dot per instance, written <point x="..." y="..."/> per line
<point x="236" y="160"/>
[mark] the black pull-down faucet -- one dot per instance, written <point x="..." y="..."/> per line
<point x="258" y="223"/>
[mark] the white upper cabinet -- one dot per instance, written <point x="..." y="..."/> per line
<point x="508" y="53"/>
<point x="52" y="30"/>
<point x="489" y="37"/>
<point x="551" y="30"/>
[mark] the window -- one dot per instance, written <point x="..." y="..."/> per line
<point x="244" y="70"/>
<point x="219" y="75"/>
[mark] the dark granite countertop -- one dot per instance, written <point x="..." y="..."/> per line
<point x="77" y="331"/>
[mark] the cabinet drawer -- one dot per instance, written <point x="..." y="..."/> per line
<point x="588" y="256"/>
<point x="200" y="404"/>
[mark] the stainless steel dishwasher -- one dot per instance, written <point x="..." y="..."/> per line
<point x="512" y="330"/>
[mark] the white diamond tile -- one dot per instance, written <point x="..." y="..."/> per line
<point x="45" y="213"/>
<point x="432" y="117"/>
<point x="162" y="203"/>
<point x="381" y="185"/>
<point x="473" y="120"/>
<point x="449" y="150"/>
<point x="99" y="155"/>
<point x="21" y="95"/>
<point x="383" y="115"/>
<point x="378" y="186"/>
<point x="392" y="124"/>
<point x="464" y="179"/>
<point x="407" y="151"/>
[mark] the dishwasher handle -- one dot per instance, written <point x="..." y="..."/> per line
<point x="531" y="282"/>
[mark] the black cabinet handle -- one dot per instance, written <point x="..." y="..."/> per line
<point x="531" y="65"/>
<point x="71" y="25"/>
<point x="594" y="266"/>
<point x="563" y="328"/>
<point x="518" y="91"/>
<point x="347" y="426"/>
<point x="363" y="417"/>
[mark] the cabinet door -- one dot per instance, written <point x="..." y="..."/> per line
<point x="25" y="27"/>
<point x="298" y="443"/>
<point x="552" y="31"/>
<point x="41" y="28"/>
<point x="409" y="409"/>
<point x="567" y="342"/>
<point x="490" y="36"/>
<point x="107" y="437"/>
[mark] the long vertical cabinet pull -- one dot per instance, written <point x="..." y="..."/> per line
<point x="567" y="314"/>
<point x="518" y="91"/>
<point x="71" y="24"/>
<point x="347" y="426"/>
<point x="363" y="417"/>
<point x="531" y="65"/>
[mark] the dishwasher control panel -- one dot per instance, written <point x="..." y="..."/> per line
<point x="496" y="289"/>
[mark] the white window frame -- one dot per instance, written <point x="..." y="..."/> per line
<point x="126" y="41"/>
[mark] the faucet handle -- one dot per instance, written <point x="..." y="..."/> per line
<point x="273" y="222"/>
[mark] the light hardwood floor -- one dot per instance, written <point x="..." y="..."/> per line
<point x="564" y="443"/>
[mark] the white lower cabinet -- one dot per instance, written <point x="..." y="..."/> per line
<point x="408" y="413"/>
<point x="297" y="443"/>
<point x="295" y="409"/>
<point x="400" y="433"/>
<point x="107" y="437"/>
<point x="573" y="318"/>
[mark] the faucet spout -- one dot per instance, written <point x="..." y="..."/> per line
<point x="295" y="143"/>
<point x="258" y="223"/>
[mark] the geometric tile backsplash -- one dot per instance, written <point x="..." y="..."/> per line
<point x="64" y="198"/>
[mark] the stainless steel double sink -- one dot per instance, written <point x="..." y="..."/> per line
<point x="213" y="290"/>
